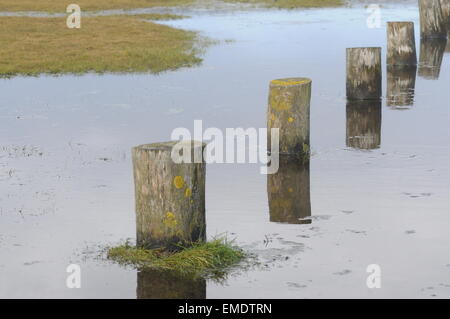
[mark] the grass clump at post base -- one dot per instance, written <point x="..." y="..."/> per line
<point x="32" y="46"/>
<point x="210" y="259"/>
<point x="291" y="4"/>
<point x="85" y="5"/>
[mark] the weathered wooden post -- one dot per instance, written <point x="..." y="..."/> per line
<point x="445" y="5"/>
<point x="364" y="124"/>
<point x="289" y="110"/>
<point x="401" y="84"/>
<point x="364" y="73"/>
<point x="153" y="284"/>
<point x="401" y="44"/>
<point x="432" y="23"/>
<point x="170" y="196"/>
<point x="288" y="191"/>
<point x="431" y="56"/>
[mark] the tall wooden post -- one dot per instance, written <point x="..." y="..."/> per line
<point x="401" y="44"/>
<point x="432" y="24"/>
<point x="364" y="73"/>
<point x="289" y="110"/>
<point x="364" y="124"/>
<point x="170" y="196"/>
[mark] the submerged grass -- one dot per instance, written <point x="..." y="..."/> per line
<point x="85" y="5"/>
<point x="291" y="4"/>
<point x="210" y="259"/>
<point x="31" y="46"/>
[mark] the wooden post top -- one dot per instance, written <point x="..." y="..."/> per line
<point x="168" y="146"/>
<point x="289" y="82"/>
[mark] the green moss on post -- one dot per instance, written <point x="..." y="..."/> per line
<point x="364" y="73"/>
<point x="289" y="110"/>
<point x="170" y="197"/>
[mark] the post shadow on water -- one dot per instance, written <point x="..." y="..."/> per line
<point x="288" y="192"/>
<point x="153" y="284"/>
<point x="363" y="124"/>
<point x="401" y="84"/>
<point x="431" y="55"/>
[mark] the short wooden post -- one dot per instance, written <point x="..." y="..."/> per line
<point x="432" y="23"/>
<point x="364" y="124"/>
<point x="401" y="44"/>
<point x="170" y="196"/>
<point x="289" y="110"/>
<point x="431" y="56"/>
<point x="153" y="284"/>
<point x="288" y="191"/>
<point x="401" y="84"/>
<point x="364" y="73"/>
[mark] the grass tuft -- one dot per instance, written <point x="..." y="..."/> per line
<point x="291" y="4"/>
<point x="86" y="5"/>
<point x="210" y="259"/>
<point x="32" y="46"/>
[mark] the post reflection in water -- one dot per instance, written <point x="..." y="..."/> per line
<point x="364" y="124"/>
<point x="401" y="84"/>
<point x="164" y="285"/>
<point x="288" y="191"/>
<point x="431" y="54"/>
<point x="447" y="49"/>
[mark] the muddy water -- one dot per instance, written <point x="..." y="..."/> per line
<point x="378" y="181"/>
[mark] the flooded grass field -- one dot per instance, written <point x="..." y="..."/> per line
<point x="377" y="190"/>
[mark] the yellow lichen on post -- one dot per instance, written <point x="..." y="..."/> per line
<point x="289" y="111"/>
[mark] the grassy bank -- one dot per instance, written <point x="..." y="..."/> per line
<point x="207" y="259"/>
<point x="32" y="46"/>
<point x="291" y="4"/>
<point x="85" y="5"/>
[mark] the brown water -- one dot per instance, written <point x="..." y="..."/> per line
<point x="379" y="180"/>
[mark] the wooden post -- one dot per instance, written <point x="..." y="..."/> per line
<point x="432" y="23"/>
<point x="289" y="110"/>
<point x="288" y="191"/>
<point x="153" y="284"/>
<point x="401" y="84"/>
<point x="364" y="73"/>
<point x="401" y="44"/>
<point x="170" y="197"/>
<point x="431" y="56"/>
<point x="445" y="5"/>
<point x="364" y="124"/>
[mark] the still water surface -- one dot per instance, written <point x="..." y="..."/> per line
<point x="377" y="190"/>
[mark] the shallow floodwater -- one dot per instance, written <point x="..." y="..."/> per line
<point x="378" y="182"/>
